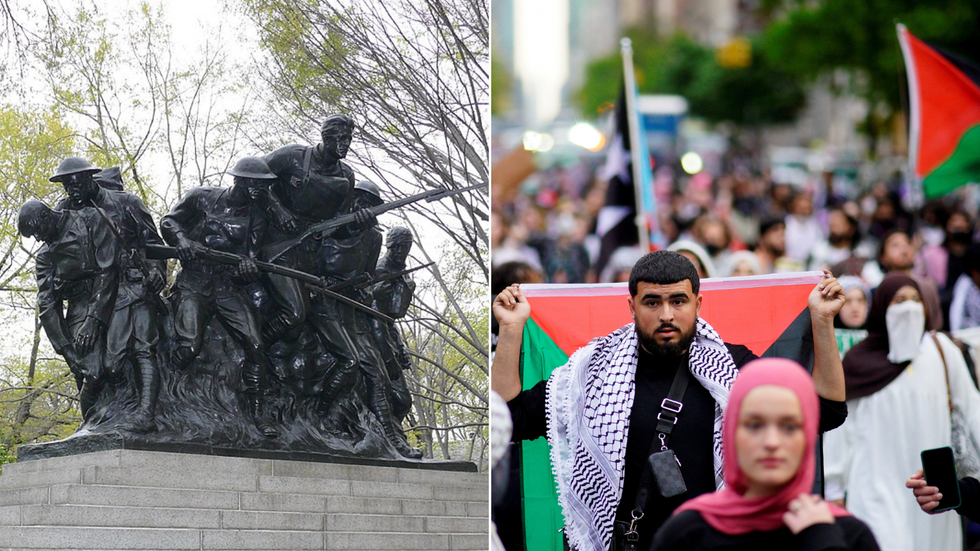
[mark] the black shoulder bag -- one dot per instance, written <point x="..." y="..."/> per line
<point x="661" y="467"/>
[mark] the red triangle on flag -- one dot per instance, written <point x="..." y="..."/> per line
<point x="752" y="311"/>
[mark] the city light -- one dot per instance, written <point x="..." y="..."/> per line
<point x="531" y="140"/>
<point x="585" y="135"/>
<point x="691" y="163"/>
<point x="546" y="142"/>
<point x="534" y="141"/>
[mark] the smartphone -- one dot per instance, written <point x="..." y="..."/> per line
<point x="940" y="471"/>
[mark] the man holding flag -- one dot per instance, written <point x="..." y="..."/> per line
<point x="604" y="410"/>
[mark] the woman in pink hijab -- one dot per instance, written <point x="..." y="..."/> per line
<point x="770" y="435"/>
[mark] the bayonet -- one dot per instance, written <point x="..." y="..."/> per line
<point x="362" y="283"/>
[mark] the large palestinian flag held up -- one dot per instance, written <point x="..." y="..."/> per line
<point x="944" y="116"/>
<point x="768" y="314"/>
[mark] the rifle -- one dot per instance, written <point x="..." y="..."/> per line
<point x="326" y="227"/>
<point x="163" y="252"/>
<point x="362" y="283"/>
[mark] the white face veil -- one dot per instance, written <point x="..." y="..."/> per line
<point x="906" y="323"/>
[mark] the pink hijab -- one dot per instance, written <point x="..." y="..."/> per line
<point x="727" y="510"/>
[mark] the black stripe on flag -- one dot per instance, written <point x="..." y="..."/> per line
<point x="968" y="68"/>
<point x="616" y="224"/>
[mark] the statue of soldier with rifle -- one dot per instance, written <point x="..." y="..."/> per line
<point x="338" y="260"/>
<point x="304" y="224"/>
<point x="348" y="254"/>
<point x="312" y="184"/>
<point x="230" y="220"/>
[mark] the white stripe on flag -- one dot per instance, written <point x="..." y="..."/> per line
<point x="617" y="160"/>
<point x="707" y="284"/>
<point x="609" y="216"/>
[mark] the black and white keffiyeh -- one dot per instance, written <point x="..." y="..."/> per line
<point x="589" y="400"/>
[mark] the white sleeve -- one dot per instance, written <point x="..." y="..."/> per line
<point x="958" y="306"/>
<point x="837" y="455"/>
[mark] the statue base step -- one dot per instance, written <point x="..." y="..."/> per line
<point x="83" y="442"/>
<point x="128" y="498"/>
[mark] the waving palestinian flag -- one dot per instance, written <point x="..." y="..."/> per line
<point x="768" y="314"/>
<point x="944" y="116"/>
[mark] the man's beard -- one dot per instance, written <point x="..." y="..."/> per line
<point x="776" y="250"/>
<point x="672" y="349"/>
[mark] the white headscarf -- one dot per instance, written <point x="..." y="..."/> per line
<point x="698" y="251"/>
<point x="742" y="256"/>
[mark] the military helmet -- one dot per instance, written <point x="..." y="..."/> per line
<point x="399" y="235"/>
<point x="252" y="167"/>
<point x="369" y="187"/>
<point x="72" y="165"/>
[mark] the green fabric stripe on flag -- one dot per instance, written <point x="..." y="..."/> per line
<point x="961" y="168"/>
<point x="542" y="516"/>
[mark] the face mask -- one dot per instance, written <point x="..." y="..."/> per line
<point x="906" y="323"/>
<point x="961" y="236"/>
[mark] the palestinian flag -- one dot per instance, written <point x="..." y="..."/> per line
<point x="768" y="314"/>
<point x="944" y="116"/>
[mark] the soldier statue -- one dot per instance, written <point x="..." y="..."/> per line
<point x="392" y="297"/>
<point x="352" y="254"/>
<point x="339" y="259"/>
<point x="229" y="220"/>
<point x="312" y="184"/>
<point x="324" y="366"/>
<point x="78" y="264"/>
<point x="133" y="333"/>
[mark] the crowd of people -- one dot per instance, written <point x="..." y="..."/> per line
<point x="909" y="277"/>
<point x="742" y="224"/>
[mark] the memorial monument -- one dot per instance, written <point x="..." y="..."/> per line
<point x="278" y="333"/>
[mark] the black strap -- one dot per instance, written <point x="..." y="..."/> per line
<point x="670" y="408"/>
<point x="134" y="255"/>
<point x="109" y="222"/>
<point x="307" y="156"/>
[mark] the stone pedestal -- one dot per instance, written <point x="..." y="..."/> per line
<point x="138" y="499"/>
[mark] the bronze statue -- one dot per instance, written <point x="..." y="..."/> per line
<point x="279" y="330"/>
<point x="392" y="296"/>
<point x="132" y="334"/>
<point x="312" y="184"/>
<point x="229" y="220"/>
<point x="361" y="248"/>
<point x="77" y="264"/>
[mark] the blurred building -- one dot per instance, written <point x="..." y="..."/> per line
<point x="502" y="22"/>
<point x="710" y="22"/>
<point x="547" y="45"/>
<point x="594" y="31"/>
